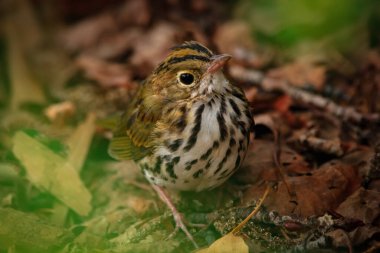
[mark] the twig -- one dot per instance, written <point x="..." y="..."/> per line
<point x="257" y="208"/>
<point x="279" y="167"/>
<point x="332" y="147"/>
<point x="268" y="122"/>
<point x="272" y="84"/>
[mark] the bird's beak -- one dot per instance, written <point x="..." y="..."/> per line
<point x="217" y="62"/>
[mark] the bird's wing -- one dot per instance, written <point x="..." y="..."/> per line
<point x="133" y="138"/>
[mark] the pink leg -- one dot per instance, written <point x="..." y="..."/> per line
<point x="176" y="215"/>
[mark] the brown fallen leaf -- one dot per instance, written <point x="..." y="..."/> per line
<point x="116" y="45"/>
<point x="259" y="164"/>
<point x="153" y="46"/>
<point x="362" y="205"/>
<point x="317" y="192"/>
<point x="88" y="32"/>
<point x="361" y="158"/>
<point x="107" y="74"/>
<point x="134" y="13"/>
<point x="234" y="37"/>
<point x="301" y="72"/>
<point x="362" y="234"/>
<point x="227" y="244"/>
<point x="192" y="31"/>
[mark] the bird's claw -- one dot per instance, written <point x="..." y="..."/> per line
<point x="181" y="225"/>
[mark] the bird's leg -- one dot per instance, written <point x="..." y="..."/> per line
<point x="176" y="215"/>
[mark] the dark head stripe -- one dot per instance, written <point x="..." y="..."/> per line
<point x="188" y="57"/>
<point x="164" y="66"/>
<point x="194" y="46"/>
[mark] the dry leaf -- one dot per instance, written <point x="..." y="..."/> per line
<point x="153" y="46"/>
<point x="234" y="37"/>
<point x="227" y="244"/>
<point x="117" y="45"/>
<point x="88" y="32"/>
<point x="59" y="112"/>
<point x="302" y="72"/>
<point x="362" y="234"/>
<point x="135" y="13"/>
<point x="52" y="173"/>
<point x="363" y="205"/>
<point x="317" y="192"/>
<point x="259" y="165"/>
<point x="79" y="142"/>
<point x="105" y="73"/>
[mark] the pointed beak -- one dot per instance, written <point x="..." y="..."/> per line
<point x="217" y="62"/>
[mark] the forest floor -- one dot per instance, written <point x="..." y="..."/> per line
<point x="68" y="68"/>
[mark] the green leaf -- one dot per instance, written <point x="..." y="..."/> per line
<point x="78" y="144"/>
<point x="51" y="172"/>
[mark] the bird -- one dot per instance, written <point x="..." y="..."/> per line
<point x="188" y="127"/>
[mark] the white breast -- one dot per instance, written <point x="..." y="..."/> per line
<point x="210" y="161"/>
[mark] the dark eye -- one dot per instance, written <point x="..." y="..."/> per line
<point x="186" y="78"/>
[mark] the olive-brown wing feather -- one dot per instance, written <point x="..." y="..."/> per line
<point x="133" y="138"/>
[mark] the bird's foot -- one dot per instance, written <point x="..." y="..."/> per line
<point x="179" y="221"/>
<point x="180" y="224"/>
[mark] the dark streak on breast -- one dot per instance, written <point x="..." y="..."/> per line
<point x="196" y="128"/>
<point x="198" y="173"/>
<point x="170" y="170"/>
<point x="235" y="107"/>
<point x="175" y="145"/>
<point x="222" y="126"/>
<point x="226" y="156"/>
<point x="157" y="166"/>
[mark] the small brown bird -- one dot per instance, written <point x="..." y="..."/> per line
<point x="188" y="127"/>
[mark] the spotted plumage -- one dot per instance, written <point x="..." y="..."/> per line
<point x="188" y="127"/>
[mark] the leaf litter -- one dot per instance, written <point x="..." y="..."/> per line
<point x="316" y="142"/>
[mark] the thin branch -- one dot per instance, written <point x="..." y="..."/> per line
<point x="255" y="211"/>
<point x="271" y="84"/>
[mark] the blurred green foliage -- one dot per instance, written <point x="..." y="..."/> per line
<point x="321" y="24"/>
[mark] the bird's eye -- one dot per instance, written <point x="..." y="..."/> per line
<point x="186" y="78"/>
